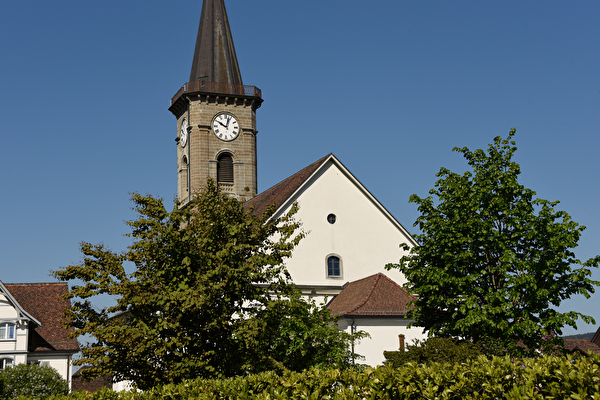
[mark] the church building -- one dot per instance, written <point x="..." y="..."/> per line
<point x="351" y="235"/>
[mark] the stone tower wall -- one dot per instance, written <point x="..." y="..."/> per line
<point x="203" y="147"/>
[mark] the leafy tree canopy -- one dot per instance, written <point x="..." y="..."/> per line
<point x="31" y="381"/>
<point x="494" y="262"/>
<point x="207" y="276"/>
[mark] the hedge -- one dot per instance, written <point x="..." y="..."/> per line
<point x="548" y="377"/>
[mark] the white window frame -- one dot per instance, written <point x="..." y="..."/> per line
<point x="341" y="267"/>
<point x="5" y="331"/>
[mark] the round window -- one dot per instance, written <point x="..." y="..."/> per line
<point x="331" y="218"/>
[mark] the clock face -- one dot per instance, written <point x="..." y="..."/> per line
<point x="184" y="133"/>
<point x="225" y="126"/>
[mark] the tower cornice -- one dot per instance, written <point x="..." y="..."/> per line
<point x="214" y="92"/>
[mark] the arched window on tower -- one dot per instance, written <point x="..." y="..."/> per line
<point x="225" y="172"/>
<point x="184" y="179"/>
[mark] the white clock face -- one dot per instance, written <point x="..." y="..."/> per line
<point x="226" y="126"/>
<point x="184" y="133"/>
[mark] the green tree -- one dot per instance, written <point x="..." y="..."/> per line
<point x="201" y="273"/>
<point x="298" y="334"/>
<point x="493" y="261"/>
<point x="31" y="381"/>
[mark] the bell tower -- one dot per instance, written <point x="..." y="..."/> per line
<point x="216" y="114"/>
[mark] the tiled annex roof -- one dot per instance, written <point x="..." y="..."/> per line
<point x="584" y="346"/>
<point x="44" y="301"/>
<point x="375" y="295"/>
<point x="280" y="192"/>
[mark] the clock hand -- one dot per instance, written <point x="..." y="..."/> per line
<point x="222" y="124"/>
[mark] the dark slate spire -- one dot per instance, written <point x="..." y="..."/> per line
<point x="214" y="57"/>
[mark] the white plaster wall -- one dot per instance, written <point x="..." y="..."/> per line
<point x="13" y="348"/>
<point x="383" y="336"/>
<point x="363" y="236"/>
<point x="60" y="362"/>
<point x="7" y="311"/>
<point x="123" y="386"/>
<point x="22" y="335"/>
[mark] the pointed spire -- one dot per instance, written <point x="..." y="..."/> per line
<point x="214" y="57"/>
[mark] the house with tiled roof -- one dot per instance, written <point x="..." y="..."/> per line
<point x="584" y="346"/>
<point x="31" y="326"/>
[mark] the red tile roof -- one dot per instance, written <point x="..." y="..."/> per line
<point x="96" y="383"/>
<point x="280" y="192"/>
<point x="581" y="345"/>
<point x="376" y="295"/>
<point x="44" y="301"/>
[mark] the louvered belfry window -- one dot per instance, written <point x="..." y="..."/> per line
<point x="225" y="169"/>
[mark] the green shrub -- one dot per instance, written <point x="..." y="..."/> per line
<point x="32" y="380"/>
<point x="434" y="350"/>
<point x="546" y="377"/>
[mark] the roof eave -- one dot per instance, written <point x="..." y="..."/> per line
<point x="22" y="314"/>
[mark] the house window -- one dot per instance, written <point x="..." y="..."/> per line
<point x="5" y="362"/>
<point x="334" y="269"/>
<point x="7" y="331"/>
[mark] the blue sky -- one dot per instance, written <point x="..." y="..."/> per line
<point x="388" y="86"/>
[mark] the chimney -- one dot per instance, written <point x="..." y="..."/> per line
<point x="401" y="339"/>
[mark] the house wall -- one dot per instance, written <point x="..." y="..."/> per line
<point x="363" y="236"/>
<point x="16" y="348"/>
<point x="383" y="336"/>
<point x="123" y="386"/>
<point x="61" y="362"/>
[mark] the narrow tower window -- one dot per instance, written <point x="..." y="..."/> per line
<point x="225" y="169"/>
<point x="184" y="179"/>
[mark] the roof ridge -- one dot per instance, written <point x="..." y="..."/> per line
<point x="280" y="192"/>
<point x="21" y="312"/>
<point x="370" y="292"/>
<point x="315" y="164"/>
